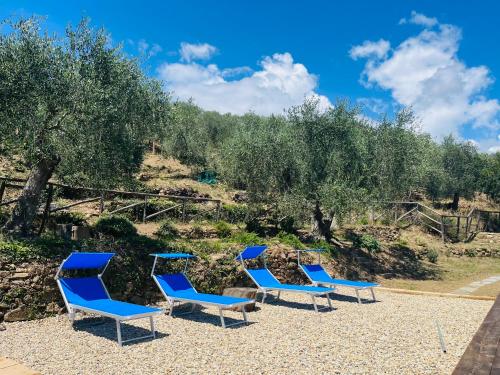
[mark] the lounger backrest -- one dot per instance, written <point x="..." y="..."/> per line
<point x="316" y="272"/>
<point x="263" y="277"/>
<point x="175" y="283"/>
<point x="80" y="289"/>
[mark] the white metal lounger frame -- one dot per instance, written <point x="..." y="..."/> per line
<point x="266" y="290"/>
<point x="356" y="289"/>
<point x="73" y="309"/>
<point x="171" y="300"/>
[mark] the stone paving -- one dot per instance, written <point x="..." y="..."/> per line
<point x="472" y="287"/>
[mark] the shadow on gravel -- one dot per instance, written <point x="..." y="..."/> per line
<point x="213" y="318"/>
<point x="106" y="328"/>
<point x="298" y="305"/>
<point x="347" y="298"/>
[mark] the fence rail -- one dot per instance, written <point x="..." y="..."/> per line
<point x="102" y="195"/>
<point x="449" y="227"/>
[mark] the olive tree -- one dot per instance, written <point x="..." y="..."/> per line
<point x="74" y="105"/>
<point x="461" y="165"/>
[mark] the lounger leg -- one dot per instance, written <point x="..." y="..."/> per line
<point x="329" y="301"/>
<point x="314" y="303"/>
<point x="172" y="308"/>
<point x="152" y="324"/>
<point x="263" y="297"/>
<point x="373" y="294"/>
<point x="278" y="295"/>
<point x="245" y="318"/>
<point x="119" y="332"/>
<point x="223" y="323"/>
<point x="357" y="295"/>
<point x="71" y="316"/>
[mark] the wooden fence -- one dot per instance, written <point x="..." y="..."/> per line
<point x="448" y="227"/>
<point x="101" y="195"/>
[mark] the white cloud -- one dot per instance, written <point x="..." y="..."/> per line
<point x="374" y="105"/>
<point x="424" y="72"/>
<point x="202" y="51"/>
<point x="420" y="19"/>
<point x="145" y="49"/>
<point x="494" y="149"/>
<point x="279" y="84"/>
<point x="370" y="49"/>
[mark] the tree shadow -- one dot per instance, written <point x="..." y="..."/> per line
<point x="200" y="316"/>
<point x="395" y="261"/>
<point x="106" y="328"/>
<point x="274" y="301"/>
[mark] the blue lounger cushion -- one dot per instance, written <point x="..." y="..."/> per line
<point x="89" y="293"/>
<point x="178" y="286"/>
<point x="318" y="274"/>
<point x="265" y="279"/>
<point x="118" y="308"/>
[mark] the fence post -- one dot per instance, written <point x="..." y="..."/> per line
<point x="46" y="211"/>
<point x="2" y="189"/>
<point x="458" y="227"/>
<point x="442" y="228"/>
<point x="101" y="203"/>
<point x="144" y="212"/>
<point x="217" y="215"/>
<point x="183" y="210"/>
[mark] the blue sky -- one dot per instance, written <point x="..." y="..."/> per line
<point x="440" y="57"/>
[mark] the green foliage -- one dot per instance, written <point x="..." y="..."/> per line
<point x="247" y="238"/>
<point x="490" y="176"/>
<point x="67" y="217"/>
<point x="365" y="241"/>
<point x="167" y="231"/>
<point x="38" y="249"/>
<point x="432" y="255"/>
<point x="79" y="99"/>
<point x="234" y="213"/>
<point x="290" y="240"/>
<point x="116" y="226"/>
<point x="370" y="243"/>
<point x="223" y="229"/>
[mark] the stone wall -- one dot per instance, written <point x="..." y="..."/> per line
<point x="28" y="291"/>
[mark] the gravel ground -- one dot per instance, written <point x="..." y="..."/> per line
<point x="396" y="335"/>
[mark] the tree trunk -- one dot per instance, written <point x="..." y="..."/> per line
<point x="24" y="213"/>
<point x="321" y="227"/>
<point x="454" y="204"/>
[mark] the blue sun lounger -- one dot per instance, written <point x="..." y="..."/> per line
<point x="89" y="294"/>
<point x="318" y="276"/>
<point x="177" y="288"/>
<point x="267" y="282"/>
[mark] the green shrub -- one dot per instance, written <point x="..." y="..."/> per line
<point x="246" y="238"/>
<point x="43" y="247"/>
<point x="470" y="253"/>
<point x="167" y="231"/>
<point x="370" y="243"/>
<point x="223" y="229"/>
<point x="364" y="241"/>
<point x="290" y="239"/>
<point x="287" y="224"/>
<point x="66" y="217"/>
<point x="363" y="220"/>
<point x="432" y="255"/>
<point x="234" y="213"/>
<point x="116" y="226"/>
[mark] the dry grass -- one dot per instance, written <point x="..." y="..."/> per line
<point x="454" y="273"/>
